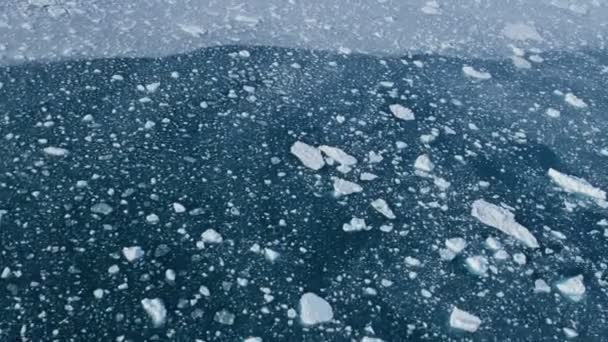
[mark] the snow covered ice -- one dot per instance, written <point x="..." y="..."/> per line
<point x="310" y="156"/>
<point x="314" y="309"/>
<point x="155" y="308"/>
<point x="462" y="320"/>
<point x="503" y="220"/>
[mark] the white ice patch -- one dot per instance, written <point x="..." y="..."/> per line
<point x="521" y="63"/>
<point x="132" y="253"/>
<point x="155" y="310"/>
<point x="431" y="8"/>
<point x="310" y="156"/>
<point x="478" y="265"/>
<point x="480" y="75"/>
<point x="576" y="185"/>
<point x="402" y="113"/>
<point x="503" y="220"/>
<point x="193" y="30"/>
<point x="575" y="101"/>
<point x="178" y="208"/>
<point x="572" y="288"/>
<point x="211" y="236"/>
<point x="338" y="155"/>
<point x="456" y="245"/>
<point x="541" y="286"/>
<point x="382" y="207"/>
<point x="553" y="113"/>
<point x="101" y="208"/>
<point x="356" y="225"/>
<point x="423" y="163"/>
<point x="314" y="309"/>
<point x="521" y="31"/>
<point x="55" y="151"/>
<point x="342" y="187"/>
<point x="367" y="176"/>
<point x="463" y="320"/>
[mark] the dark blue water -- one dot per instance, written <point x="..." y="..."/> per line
<point x="219" y="160"/>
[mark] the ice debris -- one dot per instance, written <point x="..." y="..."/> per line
<point x="503" y="220"/>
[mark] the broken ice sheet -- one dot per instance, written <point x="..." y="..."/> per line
<point x="314" y="309"/>
<point x="503" y="220"/>
<point x="343" y="187"/>
<point x="155" y="308"/>
<point x="572" y="288"/>
<point x="382" y="207"/>
<point x="576" y="185"/>
<point x="310" y="156"/>
<point x="462" y="320"/>
<point x="402" y="113"/>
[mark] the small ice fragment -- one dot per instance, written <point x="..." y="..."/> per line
<point x="117" y="78"/>
<point x="463" y="320"/>
<point x="423" y="163"/>
<point x="503" y="220"/>
<point x="252" y="339"/>
<point x="152" y="219"/>
<point x="152" y="87"/>
<point x="155" y="310"/>
<point x="553" y="113"/>
<point x="338" y="155"/>
<point x="98" y="293"/>
<point x="519" y="258"/>
<point x="356" y="224"/>
<point x="576" y="185"/>
<point x="178" y="208"/>
<point x="314" y="309"/>
<point x="211" y="236"/>
<point x="480" y="75"/>
<point x="55" y="151"/>
<point x="270" y="254"/>
<point x="431" y="8"/>
<point x="411" y="261"/>
<point x="521" y="31"/>
<point x="574" y="101"/>
<point x="101" y="208"/>
<point x="382" y="207"/>
<point x="342" y="187"/>
<point x="402" y="113"/>
<point x="456" y="245"/>
<point x="310" y="156"/>
<point x="132" y="253"/>
<point x="477" y="264"/>
<point x="541" y="286"/>
<point x="570" y="333"/>
<point x="573" y="288"/>
<point x="366" y="176"/>
<point x="224" y="317"/>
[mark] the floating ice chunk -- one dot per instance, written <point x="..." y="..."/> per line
<point x="179" y="208"/>
<point x="423" y="163"/>
<point x="456" y="245"/>
<point x="480" y="75"/>
<point x="521" y="63"/>
<point x="155" y="308"/>
<point x="521" y="31"/>
<point x="55" y="151"/>
<point x="576" y="185"/>
<point x="553" y="113"/>
<point x="463" y="320"/>
<point x="367" y="176"/>
<point x="519" y="258"/>
<point x="338" y="155"/>
<point x="477" y="264"/>
<point x="117" y="78"/>
<point x="503" y="220"/>
<point x="371" y="339"/>
<point x="224" y="317"/>
<point x="541" y="286"/>
<point x="411" y="261"/>
<point x="431" y="8"/>
<point x="342" y="187"/>
<point x="356" y="224"/>
<point x="101" y="208"/>
<point x="310" y="156"/>
<point x="98" y="293"/>
<point x="211" y="236"/>
<point x="402" y="113"/>
<point x="574" y="101"/>
<point x="570" y="333"/>
<point x="252" y="339"/>
<point x="382" y="207"/>
<point x="152" y="219"/>
<point x="193" y="30"/>
<point x="573" y="288"/>
<point x="314" y="309"/>
<point x="152" y="87"/>
<point x="270" y="254"/>
<point x="6" y="273"/>
<point x="132" y="253"/>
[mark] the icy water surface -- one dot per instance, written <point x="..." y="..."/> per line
<point x="293" y="195"/>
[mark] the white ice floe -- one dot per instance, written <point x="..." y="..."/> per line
<point x="521" y="31"/>
<point x="367" y="176"/>
<point x="478" y="265"/>
<point x="342" y="187"/>
<point x="423" y="163"/>
<point x="462" y="320"/>
<point x="472" y="73"/>
<point x="503" y="220"/>
<point x="155" y="310"/>
<point x="152" y="218"/>
<point x="456" y="245"/>
<point x="338" y="155"/>
<point x="572" y="288"/>
<point x="402" y="113"/>
<point x="431" y="8"/>
<point x="55" y="151"/>
<point x="553" y="113"/>
<point x="271" y="255"/>
<point x="575" y="101"/>
<point x="521" y="63"/>
<point x="132" y="253"/>
<point x="211" y="236"/>
<point x="576" y="185"/>
<point x="314" y="309"/>
<point x="310" y="156"/>
<point x="101" y="208"/>
<point x="178" y="208"/>
<point x="570" y="333"/>
<point x="382" y="207"/>
<point x="355" y="225"/>
<point x="541" y="286"/>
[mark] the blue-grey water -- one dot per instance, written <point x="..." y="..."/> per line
<point x="215" y="136"/>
